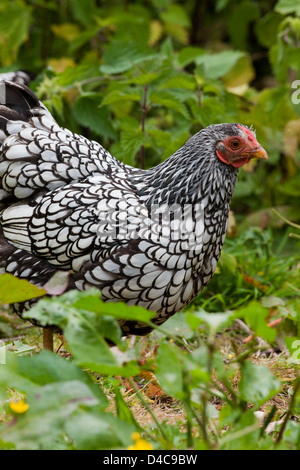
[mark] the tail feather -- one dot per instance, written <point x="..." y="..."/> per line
<point x="16" y="101"/>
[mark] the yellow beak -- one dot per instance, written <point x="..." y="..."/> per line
<point x="259" y="153"/>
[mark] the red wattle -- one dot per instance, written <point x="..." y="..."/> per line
<point x="220" y="156"/>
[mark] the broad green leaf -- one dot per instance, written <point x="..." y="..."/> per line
<point x="175" y="14"/>
<point x="143" y="78"/>
<point x="120" y="95"/>
<point x="123" y="410"/>
<point x="116" y="309"/>
<point x="168" y="100"/>
<point x="284" y="7"/>
<point x="97" y="430"/>
<point x="15" y="19"/>
<point x="244" y="13"/>
<point x="214" y="321"/>
<point x="131" y="141"/>
<point x="120" y="56"/>
<point x="13" y="289"/>
<point x="266" y="28"/>
<point x="87" y="325"/>
<point x="26" y="374"/>
<point x="219" y="64"/>
<point x="85" y="12"/>
<point x="179" y="81"/>
<point x="88" y="113"/>
<point x="50" y="409"/>
<point x="254" y="315"/>
<point x="257" y="384"/>
<point x="187" y="55"/>
<point x="169" y="370"/>
<point x="78" y="73"/>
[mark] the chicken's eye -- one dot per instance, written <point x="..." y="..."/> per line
<point x="234" y="144"/>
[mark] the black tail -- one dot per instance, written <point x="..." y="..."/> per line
<point x="15" y="102"/>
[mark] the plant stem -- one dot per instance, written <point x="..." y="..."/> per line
<point x="292" y="224"/>
<point x="288" y="413"/>
<point x="48" y="339"/>
<point x="145" y="404"/>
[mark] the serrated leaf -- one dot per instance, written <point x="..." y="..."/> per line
<point x="88" y="113"/>
<point x="120" y="95"/>
<point x="168" y="100"/>
<point x="120" y="56"/>
<point x="143" y="78"/>
<point x="179" y="81"/>
<point x="131" y="142"/>
<point x="78" y="73"/>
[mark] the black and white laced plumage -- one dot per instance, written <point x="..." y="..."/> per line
<point x="67" y="204"/>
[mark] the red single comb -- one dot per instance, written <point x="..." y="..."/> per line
<point x="249" y="133"/>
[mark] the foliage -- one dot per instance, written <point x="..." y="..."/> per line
<point x="141" y="77"/>
<point x="64" y="406"/>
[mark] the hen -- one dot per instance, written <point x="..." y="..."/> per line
<point x="146" y="237"/>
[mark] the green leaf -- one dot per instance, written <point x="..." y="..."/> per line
<point x="85" y="12"/>
<point x="214" y="321"/>
<point x="254" y="315"/>
<point x="219" y="64"/>
<point x="87" y="112"/>
<point x="121" y="56"/>
<point x="169" y="370"/>
<point x="92" y="302"/>
<point x="120" y="95"/>
<point x="13" y="289"/>
<point x="73" y="75"/>
<point x="176" y="14"/>
<point x="257" y="384"/>
<point x="179" y="81"/>
<point x="27" y="373"/>
<point x="168" y="100"/>
<point x="15" y="19"/>
<point x="243" y="14"/>
<point x="285" y="7"/>
<point x="123" y="410"/>
<point x="50" y="409"/>
<point x="98" y="430"/>
<point x="266" y="28"/>
<point x="86" y="325"/>
<point x="187" y="55"/>
<point x="131" y="142"/>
